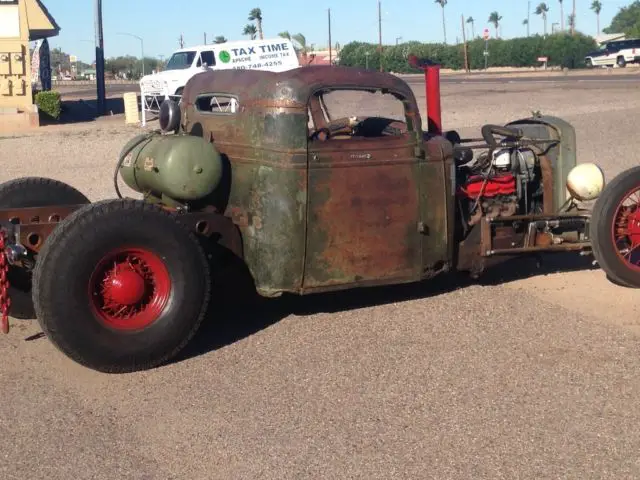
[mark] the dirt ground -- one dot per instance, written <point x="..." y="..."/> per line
<point x="525" y="374"/>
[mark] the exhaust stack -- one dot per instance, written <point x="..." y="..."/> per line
<point x="432" y="92"/>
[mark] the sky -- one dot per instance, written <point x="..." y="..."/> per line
<point x="160" y="22"/>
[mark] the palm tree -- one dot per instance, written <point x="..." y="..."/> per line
<point x="250" y="30"/>
<point x="220" y="39"/>
<point x="495" y="19"/>
<point x="572" y="21"/>
<point x="542" y="9"/>
<point x="299" y="43"/>
<point x="473" y="32"/>
<point x="561" y="16"/>
<point x="444" y="26"/>
<point x="596" y="6"/>
<point x="525" y="22"/>
<point x="256" y="15"/>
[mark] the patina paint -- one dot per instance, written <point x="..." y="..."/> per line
<point x="367" y="199"/>
<point x="363" y="212"/>
<point x="437" y="207"/>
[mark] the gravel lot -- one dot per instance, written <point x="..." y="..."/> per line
<point x="527" y="374"/>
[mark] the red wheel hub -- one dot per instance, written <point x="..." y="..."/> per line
<point x="129" y="288"/>
<point x="626" y="229"/>
<point x="126" y="287"/>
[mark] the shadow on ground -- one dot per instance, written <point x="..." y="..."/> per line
<point x="237" y="317"/>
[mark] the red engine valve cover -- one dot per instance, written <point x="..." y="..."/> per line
<point x="504" y="184"/>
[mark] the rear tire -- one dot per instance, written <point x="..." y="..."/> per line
<point x="32" y="192"/>
<point x="133" y="317"/>
<point x="620" y="61"/>
<point x="612" y="228"/>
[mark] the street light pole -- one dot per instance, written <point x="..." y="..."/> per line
<point x="99" y="58"/>
<point x="141" y="46"/>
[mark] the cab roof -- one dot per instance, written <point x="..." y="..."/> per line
<point x="291" y="88"/>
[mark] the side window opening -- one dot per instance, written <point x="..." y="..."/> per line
<point x="217" y="103"/>
<point x="352" y="114"/>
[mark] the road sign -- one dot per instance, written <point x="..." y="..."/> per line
<point x="543" y="59"/>
<point x="485" y="34"/>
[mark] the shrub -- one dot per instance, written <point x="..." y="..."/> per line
<point x="49" y="103"/>
<point x="563" y="50"/>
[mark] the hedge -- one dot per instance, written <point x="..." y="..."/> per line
<point x="563" y="50"/>
<point x="49" y="103"/>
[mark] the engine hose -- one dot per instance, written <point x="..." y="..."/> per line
<point x="124" y="154"/>
<point x="489" y="130"/>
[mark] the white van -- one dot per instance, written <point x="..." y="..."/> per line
<point x="275" y="54"/>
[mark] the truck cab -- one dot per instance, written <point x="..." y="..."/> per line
<point x="332" y="165"/>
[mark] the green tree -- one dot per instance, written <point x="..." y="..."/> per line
<point x="255" y="15"/>
<point x="542" y="10"/>
<point x="472" y="22"/>
<point x="561" y="16"/>
<point x="442" y="3"/>
<point x="495" y="19"/>
<point x="525" y="22"/>
<point x="220" y="39"/>
<point x="596" y="6"/>
<point x="299" y="43"/>
<point x="626" y="21"/>
<point x="250" y="30"/>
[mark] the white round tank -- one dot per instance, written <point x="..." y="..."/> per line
<point x="585" y="181"/>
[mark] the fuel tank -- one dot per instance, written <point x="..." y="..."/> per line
<point x="181" y="167"/>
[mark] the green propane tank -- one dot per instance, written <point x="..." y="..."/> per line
<point x="180" y="167"/>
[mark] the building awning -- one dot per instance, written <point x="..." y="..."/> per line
<point x="41" y="24"/>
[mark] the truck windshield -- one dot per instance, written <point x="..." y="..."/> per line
<point x="180" y="60"/>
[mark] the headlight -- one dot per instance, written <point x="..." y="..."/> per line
<point x="585" y="181"/>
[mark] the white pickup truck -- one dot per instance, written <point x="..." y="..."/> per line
<point x="275" y="54"/>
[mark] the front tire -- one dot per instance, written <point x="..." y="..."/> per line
<point x="121" y="286"/>
<point x="615" y="232"/>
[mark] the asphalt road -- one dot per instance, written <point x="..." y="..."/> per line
<point x="526" y="374"/>
<point x="89" y="91"/>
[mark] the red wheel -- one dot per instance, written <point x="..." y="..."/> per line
<point x="136" y="285"/>
<point x="625" y="230"/>
<point x="129" y="288"/>
<point x="615" y="229"/>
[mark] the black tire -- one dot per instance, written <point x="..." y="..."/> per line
<point x="603" y="216"/>
<point x="32" y="192"/>
<point x="621" y="62"/>
<point x="589" y="63"/>
<point x="75" y="248"/>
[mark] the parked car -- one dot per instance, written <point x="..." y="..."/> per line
<point x="617" y="52"/>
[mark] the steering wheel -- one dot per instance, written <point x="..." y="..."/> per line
<point x="323" y="134"/>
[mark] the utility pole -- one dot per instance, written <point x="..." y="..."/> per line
<point x="573" y="17"/>
<point x="181" y="40"/>
<point x="464" y="39"/>
<point x="380" y="31"/>
<point x="99" y="58"/>
<point x="205" y="38"/>
<point x="330" y="51"/>
<point x="528" y="15"/>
